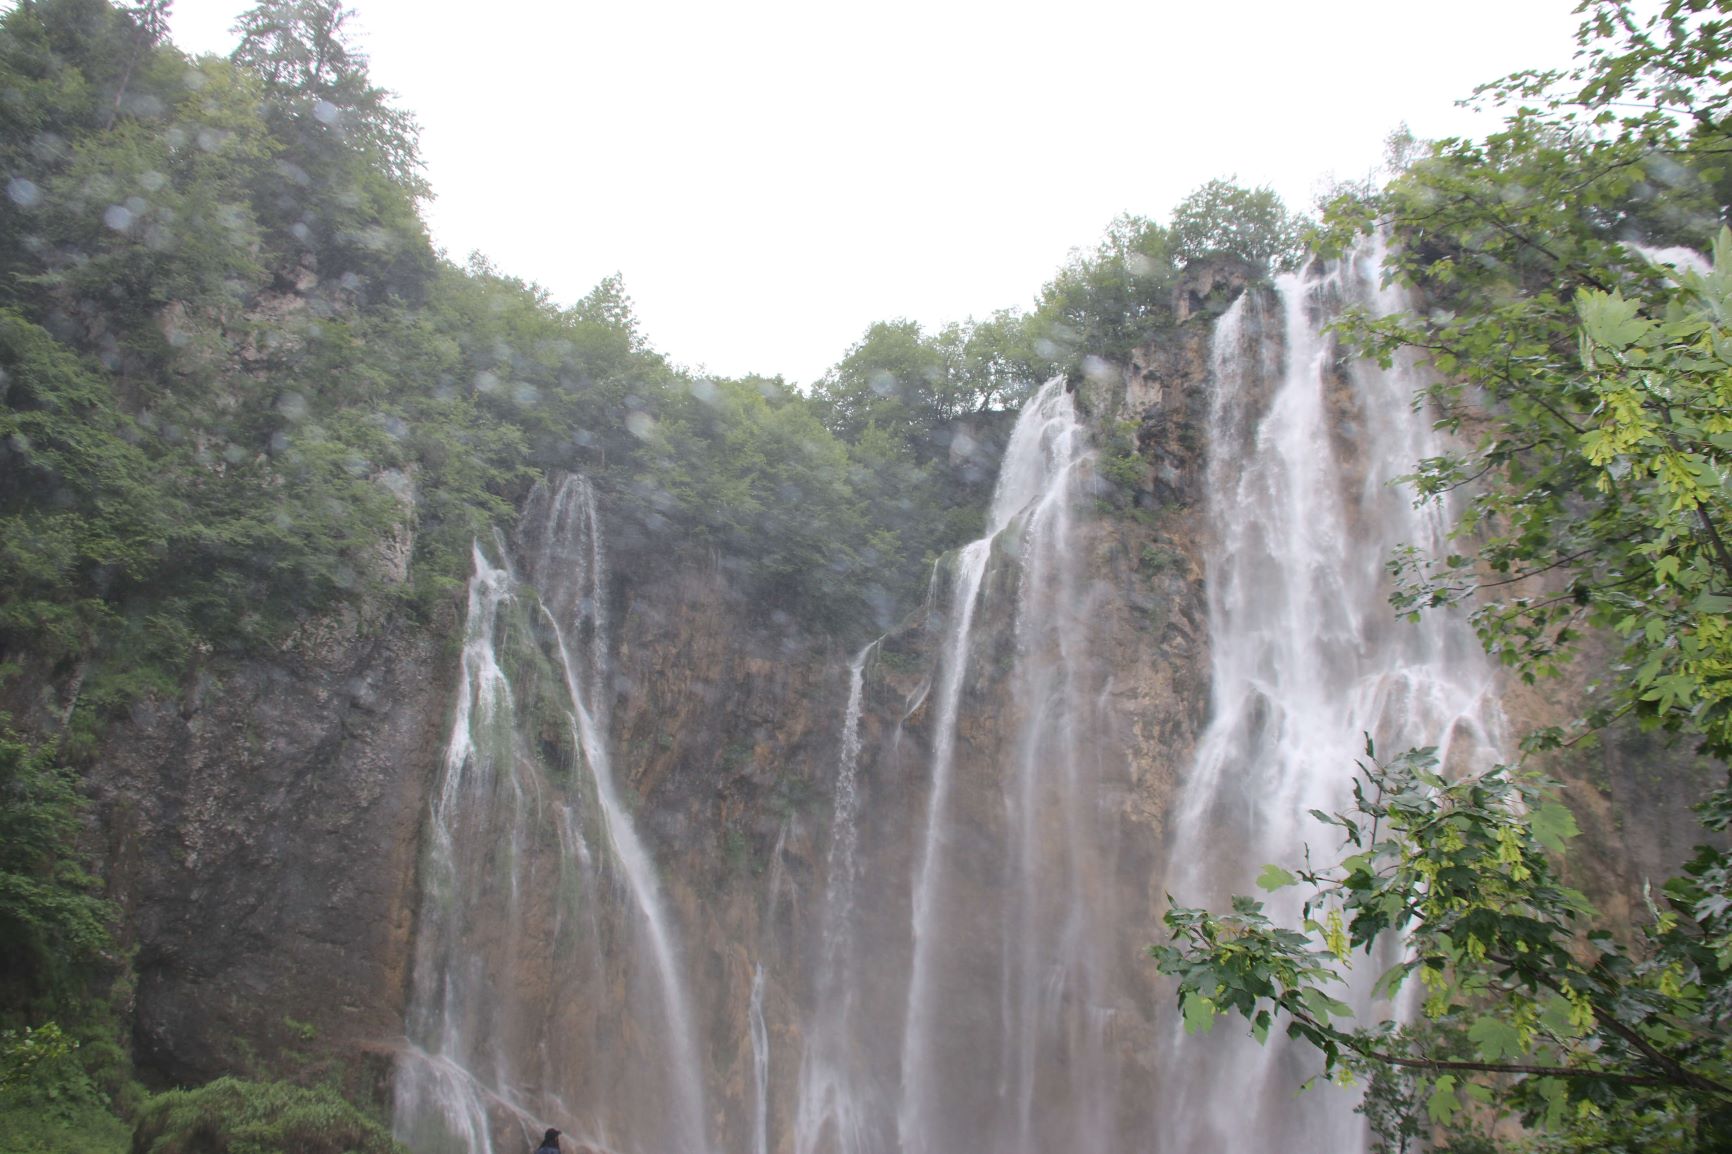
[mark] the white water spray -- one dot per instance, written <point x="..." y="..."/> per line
<point x="444" y="1020"/>
<point x="1308" y="656"/>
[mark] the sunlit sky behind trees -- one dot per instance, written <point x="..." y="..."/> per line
<point x="772" y="177"/>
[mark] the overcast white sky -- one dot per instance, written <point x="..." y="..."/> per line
<point x="771" y="177"/>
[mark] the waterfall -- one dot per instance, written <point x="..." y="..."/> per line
<point x="760" y="1065"/>
<point x="834" y="1092"/>
<point x="446" y="1022"/>
<point x="1307" y="657"/>
<point x="1004" y="1006"/>
<point x="534" y="867"/>
<point x="975" y="977"/>
<point x="1058" y="912"/>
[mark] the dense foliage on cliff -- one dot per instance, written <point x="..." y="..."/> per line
<point x="1591" y="389"/>
<point x="240" y="387"/>
<point x="53" y="926"/>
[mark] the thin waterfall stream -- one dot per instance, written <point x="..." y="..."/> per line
<point x="760" y="1065"/>
<point x="834" y="1092"/>
<point x="551" y="830"/>
<point x="577" y="584"/>
<point x="1035" y="1029"/>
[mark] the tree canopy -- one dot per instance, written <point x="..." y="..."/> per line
<point x="1222" y="218"/>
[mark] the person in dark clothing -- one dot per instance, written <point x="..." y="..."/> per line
<point x="549" y="1143"/>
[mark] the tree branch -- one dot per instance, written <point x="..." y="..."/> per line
<point x="1364" y="1051"/>
<point x="1680" y="1074"/>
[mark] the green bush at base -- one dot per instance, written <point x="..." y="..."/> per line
<point x="231" y="1116"/>
<point x="80" y="1128"/>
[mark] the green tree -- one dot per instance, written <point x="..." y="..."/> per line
<point x="1515" y="242"/>
<point x="57" y="1050"/>
<point x="54" y="925"/>
<point x="921" y="415"/>
<point x="895" y="378"/>
<point x="139" y="219"/>
<point x="347" y="179"/>
<point x="990" y="365"/>
<point x="1528" y="1007"/>
<point x="1223" y="219"/>
<point x="1106" y="302"/>
<point x="746" y="465"/>
<point x="301" y="50"/>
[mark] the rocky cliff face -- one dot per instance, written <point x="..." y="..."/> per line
<point x="264" y="833"/>
<point x="263" y="837"/>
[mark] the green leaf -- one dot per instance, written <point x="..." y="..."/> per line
<point x="1610" y="320"/>
<point x="1556" y="1097"/>
<point x="1495" y="1039"/>
<point x="1552" y="825"/>
<point x="1199" y="1013"/>
<point x="1557" y="1017"/>
<point x="1443" y="1104"/>
<point x="1274" y="878"/>
<point x="1322" y="1006"/>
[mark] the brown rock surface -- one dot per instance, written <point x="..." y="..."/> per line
<point x="263" y="839"/>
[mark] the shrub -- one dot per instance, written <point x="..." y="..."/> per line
<point x="231" y="1116"/>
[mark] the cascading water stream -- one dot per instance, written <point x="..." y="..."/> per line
<point x="1307" y="658"/>
<point x="574" y="500"/>
<point x="494" y="1037"/>
<point x="1057" y="910"/>
<point x="834" y="1091"/>
<point x="443" y="1021"/>
<point x="1045" y="982"/>
<point x="917" y="1092"/>
<point x="760" y="1065"/>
